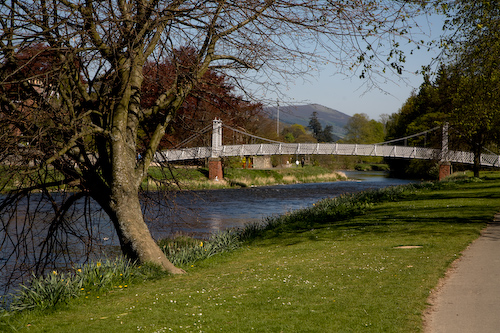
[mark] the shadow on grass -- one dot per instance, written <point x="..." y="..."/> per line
<point x="204" y="172"/>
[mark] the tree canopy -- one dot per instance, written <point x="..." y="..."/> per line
<point x="475" y="56"/>
<point x="296" y="134"/>
<point x="319" y="133"/>
<point x="464" y="91"/>
<point x="214" y="96"/>
<point x="360" y="129"/>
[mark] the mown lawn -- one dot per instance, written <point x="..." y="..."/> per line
<point x="333" y="276"/>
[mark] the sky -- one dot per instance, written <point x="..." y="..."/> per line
<point x="349" y="95"/>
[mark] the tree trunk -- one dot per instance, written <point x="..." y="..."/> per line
<point x="135" y="239"/>
<point x="477" y="160"/>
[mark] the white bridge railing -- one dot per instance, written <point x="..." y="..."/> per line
<point x="324" y="149"/>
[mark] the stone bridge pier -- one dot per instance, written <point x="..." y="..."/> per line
<point x="215" y="168"/>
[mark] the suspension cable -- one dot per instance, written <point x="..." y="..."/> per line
<point x="410" y="136"/>
<point x="194" y="136"/>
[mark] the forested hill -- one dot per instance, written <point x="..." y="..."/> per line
<point x="300" y="114"/>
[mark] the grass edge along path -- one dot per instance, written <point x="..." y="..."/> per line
<point x="340" y="272"/>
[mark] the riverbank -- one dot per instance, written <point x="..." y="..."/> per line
<point x="367" y="269"/>
<point x="197" y="178"/>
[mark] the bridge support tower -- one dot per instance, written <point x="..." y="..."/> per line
<point x="215" y="162"/>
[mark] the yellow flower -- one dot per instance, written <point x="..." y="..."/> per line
<point x="79" y="270"/>
<point x="120" y="286"/>
<point x="98" y="264"/>
<point x="201" y="243"/>
<point x="82" y="289"/>
<point x="54" y="272"/>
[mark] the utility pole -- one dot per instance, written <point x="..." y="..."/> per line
<point x="278" y="118"/>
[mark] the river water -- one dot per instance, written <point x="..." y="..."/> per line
<point x="200" y="213"/>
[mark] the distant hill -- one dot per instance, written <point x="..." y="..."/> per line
<point x="300" y="114"/>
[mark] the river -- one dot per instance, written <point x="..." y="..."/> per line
<point x="200" y="213"/>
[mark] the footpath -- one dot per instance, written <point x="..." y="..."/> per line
<point x="468" y="298"/>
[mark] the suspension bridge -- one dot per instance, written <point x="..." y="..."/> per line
<point x="217" y="150"/>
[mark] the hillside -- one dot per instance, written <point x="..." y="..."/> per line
<point x="300" y="114"/>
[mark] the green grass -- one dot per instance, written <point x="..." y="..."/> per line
<point x="330" y="272"/>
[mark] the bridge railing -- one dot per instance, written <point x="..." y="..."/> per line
<point x="183" y="154"/>
<point x="325" y="149"/>
<point x="329" y="149"/>
<point x="468" y="158"/>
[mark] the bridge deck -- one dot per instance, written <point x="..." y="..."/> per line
<point x="324" y="149"/>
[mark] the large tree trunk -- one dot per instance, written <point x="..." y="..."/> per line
<point x="127" y="173"/>
<point x="135" y="239"/>
<point x="477" y="160"/>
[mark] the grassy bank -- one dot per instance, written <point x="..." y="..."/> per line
<point x="197" y="178"/>
<point x="336" y="267"/>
